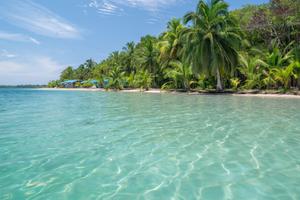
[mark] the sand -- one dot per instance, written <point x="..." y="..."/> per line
<point x="158" y="91"/>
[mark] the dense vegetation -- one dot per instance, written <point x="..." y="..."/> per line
<point x="256" y="47"/>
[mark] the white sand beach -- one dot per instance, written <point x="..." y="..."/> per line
<point x="158" y="91"/>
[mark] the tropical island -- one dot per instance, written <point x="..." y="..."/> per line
<point x="63" y="142"/>
<point x="211" y="49"/>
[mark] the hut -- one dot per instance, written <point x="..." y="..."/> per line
<point x="69" y="83"/>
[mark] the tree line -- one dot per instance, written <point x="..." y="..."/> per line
<point x="211" y="48"/>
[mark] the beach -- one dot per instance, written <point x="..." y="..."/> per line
<point x="158" y="91"/>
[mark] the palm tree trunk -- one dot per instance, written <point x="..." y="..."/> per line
<point x="219" y="83"/>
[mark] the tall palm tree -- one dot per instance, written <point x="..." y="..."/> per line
<point x="171" y="43"/>
<point x="149" y="54"/>
<point x="148" y="58"/>
<point x="213" y="39"/>
<point x="129" y="50"/>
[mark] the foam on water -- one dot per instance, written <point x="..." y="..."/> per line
<point x="81" y="145"/>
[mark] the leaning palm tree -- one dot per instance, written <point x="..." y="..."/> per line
<point x="212" y="39"/>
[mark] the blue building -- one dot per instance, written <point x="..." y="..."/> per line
<point x="69" y="83"/>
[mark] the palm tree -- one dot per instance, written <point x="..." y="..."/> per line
<point x="149" y="54"/>
<point x="275" y="63"/>
<point x="212" y="39"/>
<point x="284" y="75"/>
<point x="277" y="58"/>
<point x="171" y="43"/>
<point x="67" y="74"/>
<point x="180" y="75"/>
<point x="129" y="51"/>
<point x="143" y="80"/>
<point x="252" y="71"/>
<point x="116" y="76"/>
<point x="148" y="58"/>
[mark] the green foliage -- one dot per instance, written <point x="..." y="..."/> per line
<point x="54" y="84"/>
<point x="284" y="75"/>
<point x="116" y="78"/>
<point x="202" y="82"/>
<point x="255" y="47"/>
<point x="143" y="80"/>
<point x="180" y="75"/>
<point x="251" y="69"/>
<point x="213" y="39"/>
<point x="67" y="74"/>
<point x="87" y="84"/>
<point x="235" y="82"/>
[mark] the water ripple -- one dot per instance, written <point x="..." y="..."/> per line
<point x="140" y="146"/>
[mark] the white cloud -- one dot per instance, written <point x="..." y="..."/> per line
<point x="34" y="41"/>
<point x="113" y="7"/>
<point x="6" y="54"/>
<point x="17" y="37"/>
<point x="36" y="70"/>
<point x="105" y="7"/>
<point x="151" y="5"/>
<point x="38" y="19"/>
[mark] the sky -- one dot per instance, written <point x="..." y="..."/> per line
<point x="39" y="38"/>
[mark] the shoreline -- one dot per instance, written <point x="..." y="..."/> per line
<point x="158" y="91"/>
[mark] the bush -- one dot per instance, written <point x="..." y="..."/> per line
<point x="53" y="84"/>
<point x="87" y="85"/>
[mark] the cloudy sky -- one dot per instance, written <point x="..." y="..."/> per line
<point x="38" y="38"/>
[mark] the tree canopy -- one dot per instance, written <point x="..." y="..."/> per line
<point x="255" y="47"/>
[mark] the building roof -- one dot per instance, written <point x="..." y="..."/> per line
<point x="69" y="81"/>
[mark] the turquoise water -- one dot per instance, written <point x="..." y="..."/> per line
<point x="86" y="145"/>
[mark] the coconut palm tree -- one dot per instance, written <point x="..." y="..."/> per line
<point x="171" y="43"/>
<point x="67" y="74"/>
<point x="143" y="80"/>
<point x="180" y="75"/>
<point x="116" y="76"/>
<point x="148" y="58"/>
<point x="149" y="54"/>
<point x="129" y="51"/>
<point x="212" y="39"/>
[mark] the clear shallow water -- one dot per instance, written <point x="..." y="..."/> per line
<point x="85" y="145"/>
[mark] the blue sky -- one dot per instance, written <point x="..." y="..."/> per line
<point x="38" y="38"/>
